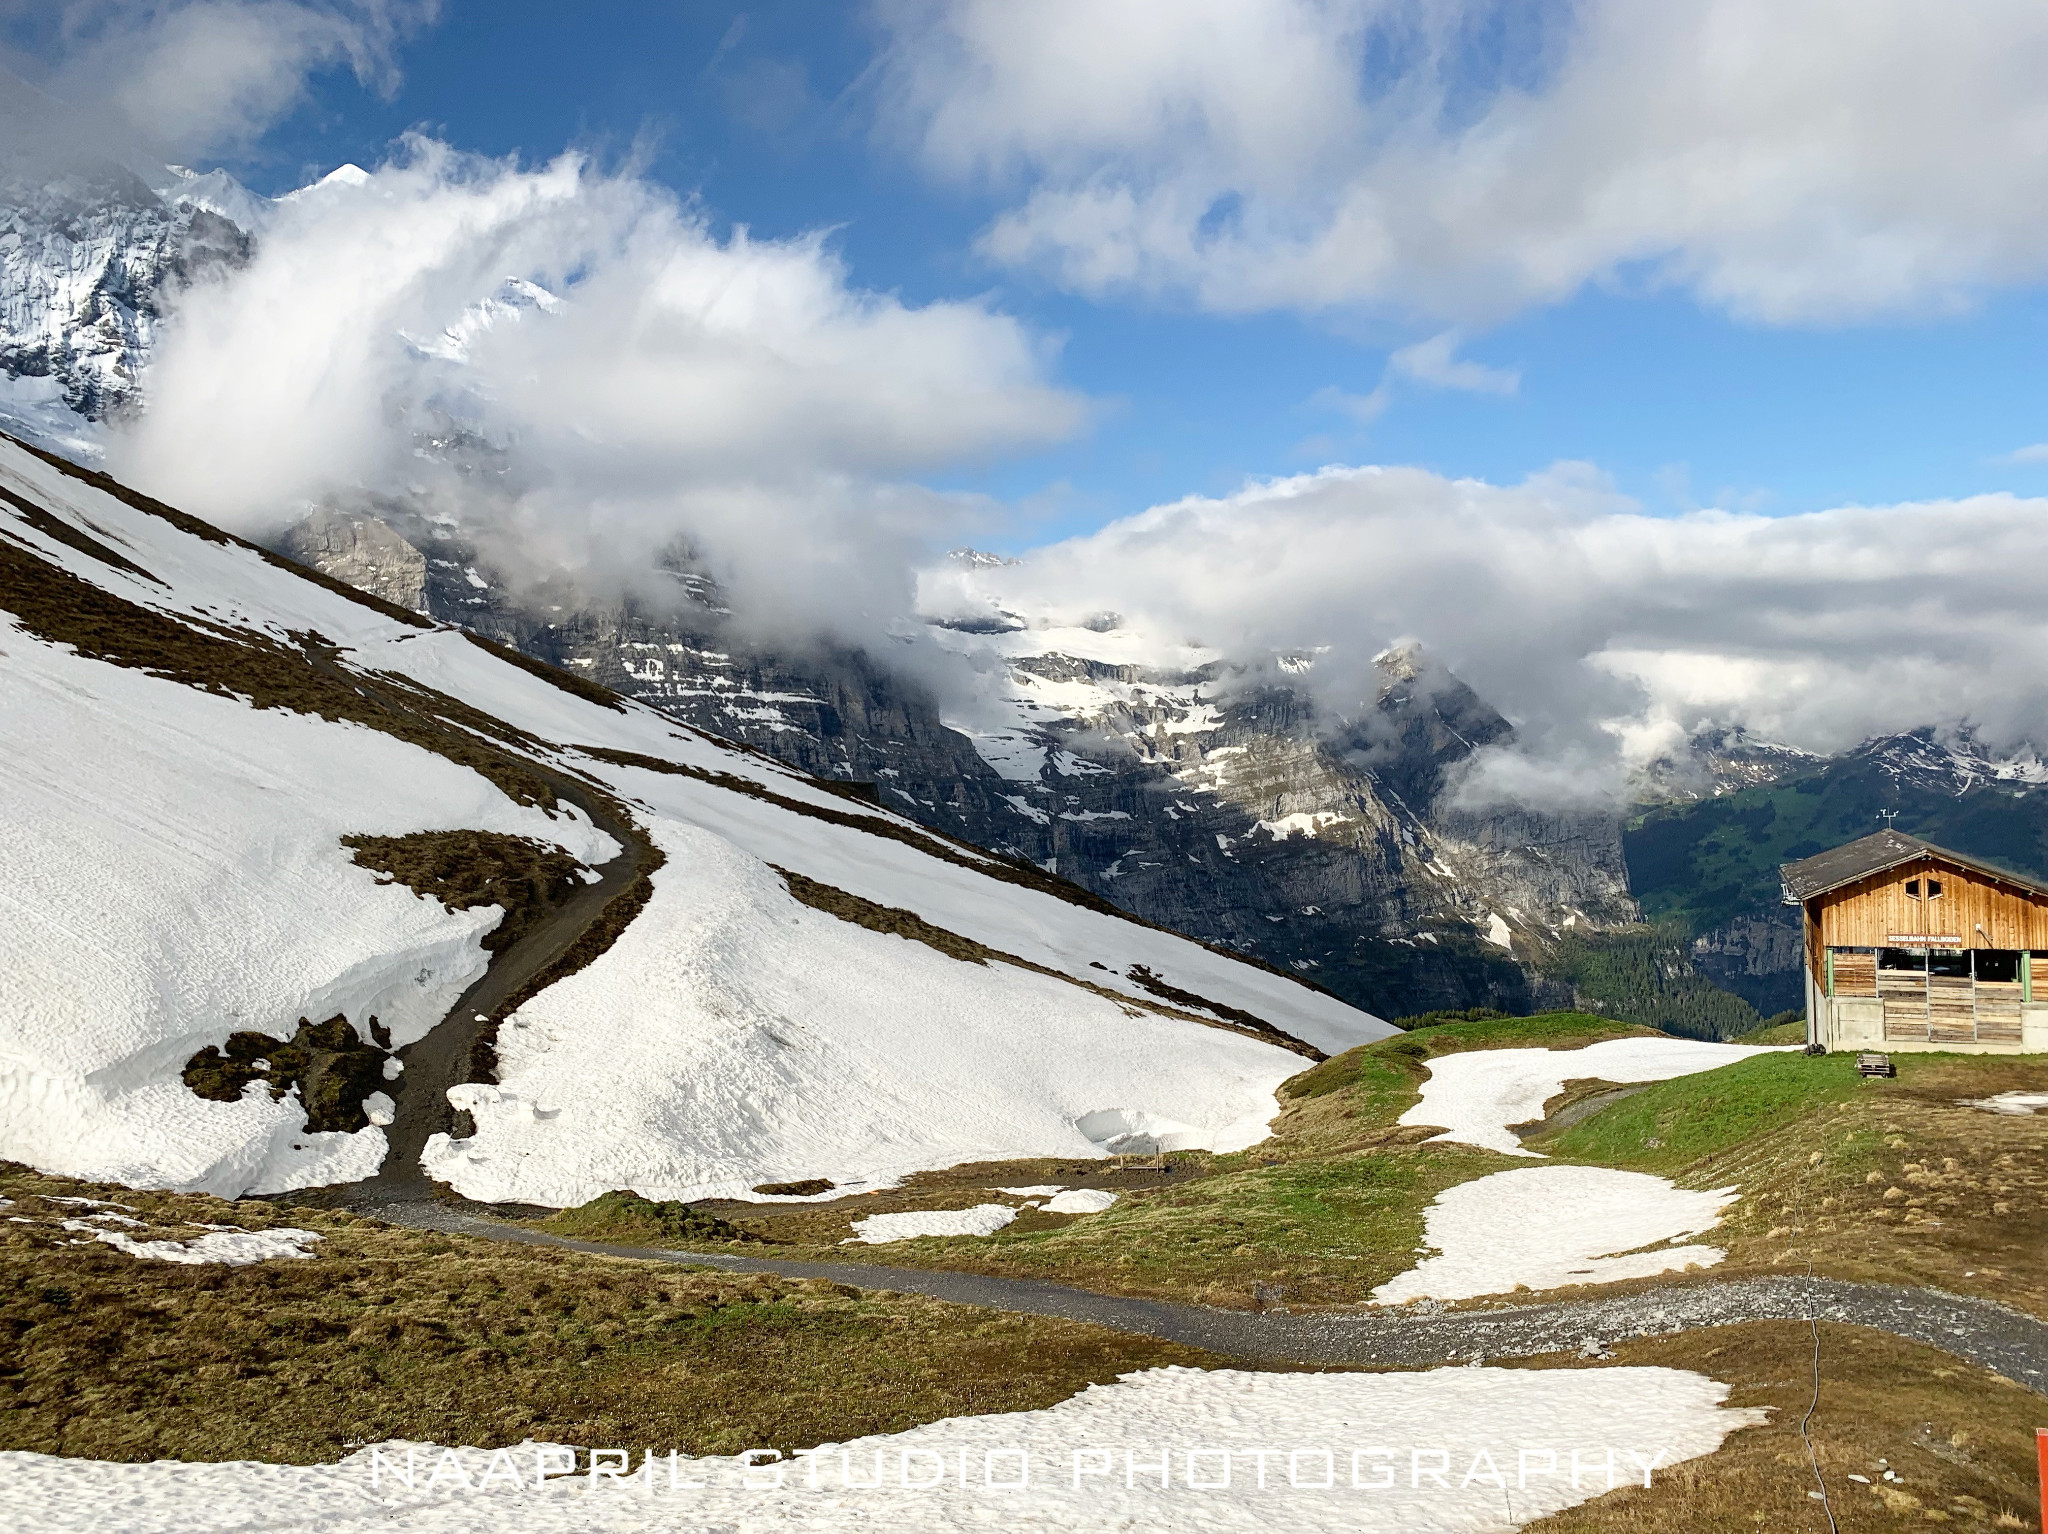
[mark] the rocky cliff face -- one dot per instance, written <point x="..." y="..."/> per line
<point x="363" y="550"/>
<point x="1192" y="793"/>
<point x="86" y="262"/>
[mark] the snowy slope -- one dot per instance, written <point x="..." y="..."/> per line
<point x="734" y="1036"/>
<point x="174" y="874"/>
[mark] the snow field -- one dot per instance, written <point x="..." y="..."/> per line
<point x="1449" y="1451"/>
<point x="1548" y="1227"/>
<point x="1474" y="1096"/>
<point x="734" y="1036"/>
<point x="183" y="880"/>
<point x="1041" y="928"/>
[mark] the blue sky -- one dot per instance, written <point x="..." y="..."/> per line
<point x="768" y="112"/>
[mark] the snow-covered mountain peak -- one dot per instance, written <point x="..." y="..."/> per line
<point x="88" y="255"/>
<point x="216" y="192"/>
<point x="1951" y="760"/>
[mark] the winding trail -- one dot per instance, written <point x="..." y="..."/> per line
<point x="442" y="1059"/>
<point x="2005" y="1341"/>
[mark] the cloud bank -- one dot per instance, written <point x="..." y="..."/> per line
<point x="1792" y="161"/>
<point x="573" y="361"/>
<point x="1607" y="635"/>
<point x="202" y="78"/>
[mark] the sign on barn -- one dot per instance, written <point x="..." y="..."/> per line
<point x="1911" y="946"/>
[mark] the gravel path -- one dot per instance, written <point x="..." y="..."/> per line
<point x="2005" y="1341"/>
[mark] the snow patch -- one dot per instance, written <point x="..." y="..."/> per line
<point x="1479" y="1418"/>
<point x="981" y="1220"/>
<point x="228" y="1248"/>
<point x="1551" y="1226"/>
<point x="1081" y="1201"/>
<point x="1476" y="1095"/>
<point x="2015" y="1103"/>
<point x="733" y="1036"/>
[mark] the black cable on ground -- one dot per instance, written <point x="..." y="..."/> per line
<point x="1812" y="1321"/>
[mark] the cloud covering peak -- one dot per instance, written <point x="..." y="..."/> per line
<point x="627" y="375"/>
<point x="1607" y="635"/>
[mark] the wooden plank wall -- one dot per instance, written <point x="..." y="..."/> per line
<point x="1855" y="974"/>
<point x="1868" y="913"/>
<point x="1905" y="1002"/>
<point x="1998" y="1011"/>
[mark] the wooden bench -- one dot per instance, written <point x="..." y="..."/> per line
<point x="1875" y="1065"/>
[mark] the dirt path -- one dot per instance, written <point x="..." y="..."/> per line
<point x="441" y="1059"/>
<point x="2002" y="1340"/>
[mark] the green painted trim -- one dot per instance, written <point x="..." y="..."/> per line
<point x="2026" y="975"/>
<point x="1831" y="973"/>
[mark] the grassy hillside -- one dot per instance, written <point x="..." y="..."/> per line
<point x="393" y="1333"/>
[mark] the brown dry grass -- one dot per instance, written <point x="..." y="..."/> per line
<point x="398" y="1333"/>
<point x="329" y="1064"/>
<point x="464" y="869"/>
<point x="1961" y="1439"/>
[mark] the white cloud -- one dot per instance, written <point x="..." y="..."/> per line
<point x="1433" y="363"/>
<point x="209" y="77"/>
<point x="736" y="392"/>
<point x="1602" y="631"/>
<point x="2033" y="453"/>
<point x="1790" y="160"/>
<point x="1436" y="362"/>
<point x="1362" y="408"/>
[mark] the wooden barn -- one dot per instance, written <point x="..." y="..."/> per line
<point x="1911" y="946"/>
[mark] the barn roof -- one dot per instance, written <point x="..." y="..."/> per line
<point x="1869" y="855"/>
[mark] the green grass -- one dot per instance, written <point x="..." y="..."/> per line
<point x="1368" y="1088"/>
<point x="1791" y="1031"/>
<point x="624" y="1218"/>
<point x="1546" y="1030"/>
<point x="1327" y="1229"/>
<point x="1671" y="1124"/>
<point x="1329" y="1207"/>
